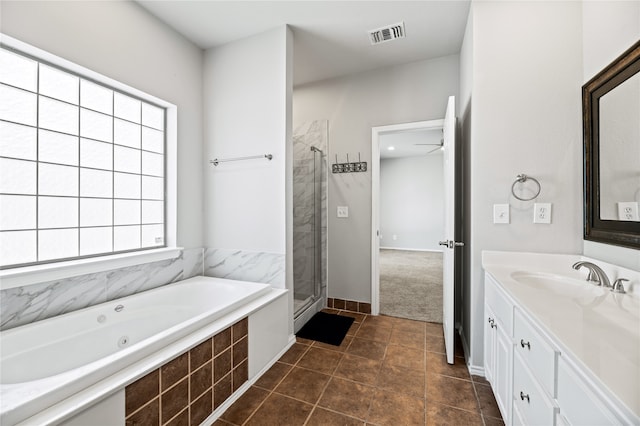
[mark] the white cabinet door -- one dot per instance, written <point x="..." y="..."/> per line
<point x="502" y="371"/>
<point x="579" y="405"/>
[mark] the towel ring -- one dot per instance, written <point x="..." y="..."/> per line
<point x="523" y="178"/>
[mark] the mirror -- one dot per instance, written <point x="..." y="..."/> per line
<point x="611" y="125"/>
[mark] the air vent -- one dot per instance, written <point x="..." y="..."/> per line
<point x="391" y="32"/>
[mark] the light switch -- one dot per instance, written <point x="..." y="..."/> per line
<point x="501" y="213"/>
<point x="542" y="213"/>
<point x="628" y="211"/>
<point x="343" y="211"/>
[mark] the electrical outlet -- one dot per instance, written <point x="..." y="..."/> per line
<point x="628" y="211"/>
<point x="501" y="213"/>
<point x="395" y="237"/>
<point x="542" y="213"/>
<point x="343" y="211"/>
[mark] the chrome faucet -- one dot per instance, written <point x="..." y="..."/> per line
<point x="596" y="275"/>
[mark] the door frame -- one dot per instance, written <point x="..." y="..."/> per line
<point x="376" y="132"/>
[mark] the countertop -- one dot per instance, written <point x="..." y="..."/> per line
<point x="593" y="326"/>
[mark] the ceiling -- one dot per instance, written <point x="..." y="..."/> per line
<point x="330" y="37"/>
<point x="414" y="143"/>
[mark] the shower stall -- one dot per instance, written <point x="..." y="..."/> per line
<point x="309" y="220"/>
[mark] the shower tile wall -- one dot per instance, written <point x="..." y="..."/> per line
<point x="23" y="305"/>
<point x="313" y="133"/>
<point x="245" y="265"/>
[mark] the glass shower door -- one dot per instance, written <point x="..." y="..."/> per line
<point x="307" y="235"/>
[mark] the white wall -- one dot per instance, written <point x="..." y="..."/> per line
<point x="124" y="42"/>
<point x="353" y="105"/>
<point x="246" y="114"/>
<point x="412" y="202"/>
<point x="526" y="102"/>
<point x="609" y="28"/>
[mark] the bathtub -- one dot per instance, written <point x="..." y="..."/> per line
<point x="45" y="362"/>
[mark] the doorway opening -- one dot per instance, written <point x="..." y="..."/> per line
<point x="408" y="220"/>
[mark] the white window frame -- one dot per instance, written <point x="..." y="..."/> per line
<point x="26" y="275"/>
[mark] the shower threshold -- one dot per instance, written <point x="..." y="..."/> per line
<point x="300" y="305"/>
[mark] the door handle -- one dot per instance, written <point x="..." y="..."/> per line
<point x="450" y="244"/>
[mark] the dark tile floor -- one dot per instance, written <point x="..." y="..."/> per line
<point x="388" y="371"/>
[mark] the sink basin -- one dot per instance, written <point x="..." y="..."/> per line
<point x="556" y="284"/>
<point x="624" y="307"/>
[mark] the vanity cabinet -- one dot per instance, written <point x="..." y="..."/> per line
<point x="533" y="381"/>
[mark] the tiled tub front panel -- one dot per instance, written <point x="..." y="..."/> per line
<point x="187" y="389"/>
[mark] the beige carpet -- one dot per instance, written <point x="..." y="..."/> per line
<point x="411" y="284"/>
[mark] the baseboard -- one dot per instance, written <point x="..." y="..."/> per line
<point x="411" y="249"/>
<point x="349" y="305"/>
<point x="473" y="369"/>
<point x="245" y="387"/>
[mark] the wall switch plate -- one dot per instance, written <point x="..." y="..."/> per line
<point x="542" y="213"/>
<point x="343" y="211"/>
<point x="501" y="213"/>
<point x="628" y="211"/>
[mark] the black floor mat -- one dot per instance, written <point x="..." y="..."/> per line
<point x="326" y="328"/>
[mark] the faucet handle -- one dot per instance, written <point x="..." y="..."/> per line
<point x="617" y="286"/>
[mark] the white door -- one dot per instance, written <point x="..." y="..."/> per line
<point x="449" y="243"/>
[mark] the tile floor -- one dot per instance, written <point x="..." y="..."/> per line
<point x="388" y="371"/>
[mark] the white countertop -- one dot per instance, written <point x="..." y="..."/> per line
<point x="595" y="327"/>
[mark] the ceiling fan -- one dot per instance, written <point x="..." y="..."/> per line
<point x="437" y="145"/>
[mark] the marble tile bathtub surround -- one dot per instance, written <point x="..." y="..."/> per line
<point x="245" y="265"/>
<point x="310" y="133"/>
<point x="23" y="305"/>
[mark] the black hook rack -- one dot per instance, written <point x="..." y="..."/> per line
<point x="349" y="167"/>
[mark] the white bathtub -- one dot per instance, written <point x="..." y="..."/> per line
<point x="45" y="362"/>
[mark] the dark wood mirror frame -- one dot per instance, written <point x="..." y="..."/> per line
<point x="615" y="232"/>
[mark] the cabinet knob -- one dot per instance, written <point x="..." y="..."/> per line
<point x="523" y="344"/>
<point x="524" y="396"/>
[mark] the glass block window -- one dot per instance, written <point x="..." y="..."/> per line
<point x="82" y="166"/>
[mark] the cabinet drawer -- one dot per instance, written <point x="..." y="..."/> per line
<point x="578" y="404"/>
<point x="529" y="400"/>
<point x="536" y="352"/>
<point x="501" y="307"/>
